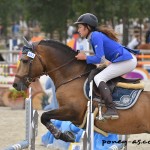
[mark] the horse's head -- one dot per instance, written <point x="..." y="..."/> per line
<point x="30" y="67"/>
<point x="51" y="58"/>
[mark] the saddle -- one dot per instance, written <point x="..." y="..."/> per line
<point x="125" y="92"/>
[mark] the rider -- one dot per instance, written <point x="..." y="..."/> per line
<point x="105" y="46"/>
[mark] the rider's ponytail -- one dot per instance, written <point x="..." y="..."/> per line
<point x="109" y="32"/>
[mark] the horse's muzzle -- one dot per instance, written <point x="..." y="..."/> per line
<point x="19" y="86"/>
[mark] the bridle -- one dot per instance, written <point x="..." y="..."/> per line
<point x="27" y="79"/>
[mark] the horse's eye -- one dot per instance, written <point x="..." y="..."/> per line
<point x="24" y="61"/>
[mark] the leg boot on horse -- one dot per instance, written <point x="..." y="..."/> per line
<point x="66" y="136"/>
<point x="105" y="93"/>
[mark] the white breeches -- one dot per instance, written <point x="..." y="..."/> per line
<point x="115" y="70"/>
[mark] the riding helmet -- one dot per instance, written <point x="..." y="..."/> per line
<point x="88" y="19"/>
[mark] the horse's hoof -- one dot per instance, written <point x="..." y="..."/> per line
<point x="67" y="136"/>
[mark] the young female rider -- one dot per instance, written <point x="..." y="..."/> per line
<point x="105" y="45"/>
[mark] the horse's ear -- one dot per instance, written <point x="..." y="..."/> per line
<point x="29" y="45"/>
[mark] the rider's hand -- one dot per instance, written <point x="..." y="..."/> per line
<point x="81" y="56"/>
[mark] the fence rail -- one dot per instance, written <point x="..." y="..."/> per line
<point x="10" y="56"/>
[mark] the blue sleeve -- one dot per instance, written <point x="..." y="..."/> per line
<point x="97" y="43"/>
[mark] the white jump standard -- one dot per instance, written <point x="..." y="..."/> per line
<point x="31" y="127"/>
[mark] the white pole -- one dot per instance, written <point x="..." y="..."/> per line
<point x="10" y="49"/>
<point x="91" y="118"/>
<point x="90" y="121"/>
<point x="10" y="54"/>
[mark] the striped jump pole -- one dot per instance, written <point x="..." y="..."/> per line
<point x="143" y="59"/>
<point x="143" y="56"/>
<point x="7" y="74"/>
<point x="7" y="71"/>
<point x="8" y="66"/>
<point x="6" y="82"/>
<point x="142" y="63"/>
<point x="31" y="127"/>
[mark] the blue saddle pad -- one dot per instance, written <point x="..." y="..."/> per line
<point x="123" y="98"/>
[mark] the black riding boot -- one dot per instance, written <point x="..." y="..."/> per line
<point x="105" y="93"/>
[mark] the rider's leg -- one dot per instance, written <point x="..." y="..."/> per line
<point x="112" y="71"/>
<point x="107" y="97"/>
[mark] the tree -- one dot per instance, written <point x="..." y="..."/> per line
<point x="52" y="15"/>
<point x="9" y="12"/>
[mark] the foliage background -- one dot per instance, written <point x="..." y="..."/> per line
<point x="54" y="14"/>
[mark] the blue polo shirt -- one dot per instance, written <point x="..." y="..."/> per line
<point x="105" y="47"/>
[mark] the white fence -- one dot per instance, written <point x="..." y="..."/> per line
<point x="10" y="57"/>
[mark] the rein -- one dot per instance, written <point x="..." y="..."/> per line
<point x="27" y="79"/>
<point x="65" y="82"/>
<point x="79" y="76"/>
<point x="55" y="69"/>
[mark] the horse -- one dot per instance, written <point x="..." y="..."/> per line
<point x="144" y="46"/>
<point x="57" y="60"/>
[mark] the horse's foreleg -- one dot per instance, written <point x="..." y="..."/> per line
<point x="66" y="136"/>
<point x="63" y="113"/>
<point x="59" y="114"/>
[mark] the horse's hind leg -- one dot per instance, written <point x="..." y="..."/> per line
<point x="59" y="114"/>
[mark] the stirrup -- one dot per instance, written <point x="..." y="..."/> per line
<point x="112" y="117"/>
<point x="100" y="117"/>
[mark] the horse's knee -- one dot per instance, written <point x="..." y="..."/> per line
<point x="44" y="118"/>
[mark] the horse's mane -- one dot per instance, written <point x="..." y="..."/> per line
<point x="58" y="45"/>
<point x="66" y="49"/>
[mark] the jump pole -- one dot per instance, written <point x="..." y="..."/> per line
<point x="31" y="127"/>
<point x="87" y="139"/>
<point x="88" y="135"/>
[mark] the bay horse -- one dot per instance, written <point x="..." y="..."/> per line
<point x="58" y="61"/>
<point x="144" y="46"/>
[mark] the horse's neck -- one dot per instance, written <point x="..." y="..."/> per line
<point x="66" y="73"/>
<point x="60" y="66"/>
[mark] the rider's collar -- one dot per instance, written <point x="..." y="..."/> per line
<point x="89" y="36"/>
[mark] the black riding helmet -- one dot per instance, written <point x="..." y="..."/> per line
<point x="88" y="19"/>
